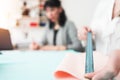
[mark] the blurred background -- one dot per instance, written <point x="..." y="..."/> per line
<point x="26" y="22"/>
<point x="26" y="18"/>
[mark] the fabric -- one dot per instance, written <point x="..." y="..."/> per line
<point x="73" y="66"/>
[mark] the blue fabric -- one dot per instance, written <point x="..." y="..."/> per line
<point x="30" y="65"/>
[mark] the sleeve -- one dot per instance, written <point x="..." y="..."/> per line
<point x="114" y="43"/>
<point x="75" y="42"/>
<point x="98" y="14"/>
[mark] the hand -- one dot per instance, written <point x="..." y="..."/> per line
<point x="62" y="48"/>
<point x="53" y="48"/>
<point x="110" y="71"/>
<point x="34" y="46"/>
<point x="103" y="74"/>
<point x="48" y="48"/>
<point x="82" y="33"/>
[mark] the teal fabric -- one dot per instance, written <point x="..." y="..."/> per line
<point x="30" y="65"/>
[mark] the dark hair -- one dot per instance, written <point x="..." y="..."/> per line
<point x="62" y="17"/>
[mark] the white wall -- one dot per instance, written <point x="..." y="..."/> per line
<point x="80" y="11"/>
<point x="9" y="10"/>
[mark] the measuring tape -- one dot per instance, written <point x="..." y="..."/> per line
<point x="89" y="63"/>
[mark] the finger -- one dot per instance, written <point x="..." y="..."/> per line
<point x="82" y="33"/>
<point x="88" y="29"/>
<point x="103" y="76"/>
<point x="82" y="37"/>
<point x="85" y="32"/>
<point x="90" y="75"/>
<point x="93" y="33"/>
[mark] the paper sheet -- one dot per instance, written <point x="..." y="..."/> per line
<point x="73" y="66"/>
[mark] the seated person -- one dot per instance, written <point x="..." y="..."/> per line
<point x="61" y="33"/>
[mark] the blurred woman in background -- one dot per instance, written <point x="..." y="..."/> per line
<point x="61" y="34"/>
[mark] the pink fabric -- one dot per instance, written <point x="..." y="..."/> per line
<point x="73" y="66"/>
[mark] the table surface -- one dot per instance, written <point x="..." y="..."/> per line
<point x="30" y="65"/>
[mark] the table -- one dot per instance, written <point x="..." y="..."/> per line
<point x="30" y="65"/>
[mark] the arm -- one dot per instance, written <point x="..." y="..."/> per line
<point x="110" y="70"/>
<point x="37" y="46"/>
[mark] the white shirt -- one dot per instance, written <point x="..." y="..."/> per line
<point x="105" y="28"/>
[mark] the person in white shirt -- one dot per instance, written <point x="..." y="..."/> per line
<point x="106" y="29"/>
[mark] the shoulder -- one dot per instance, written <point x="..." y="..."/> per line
<point x="69" y="24"/>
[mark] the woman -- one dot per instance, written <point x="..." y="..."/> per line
<point x="102" y="25"/>
<point x="105" y="27"/>
<point x="61" y="33"/>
